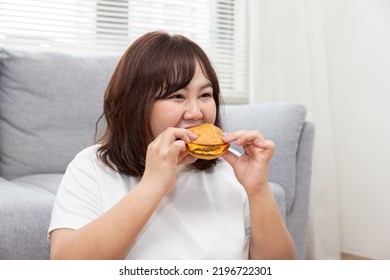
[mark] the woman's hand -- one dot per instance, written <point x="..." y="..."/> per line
<point x="270" y="238"/>
<point x="164" y="154"/>
<point x="251" y="168"/>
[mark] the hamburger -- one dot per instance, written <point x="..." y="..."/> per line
<point x="209" y="144"/>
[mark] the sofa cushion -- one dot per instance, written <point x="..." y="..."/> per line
<point x="25" y="213"/>
<point x="280" y="122"/>
<point x="49" y="104"/>
<point x="48" y="182"/>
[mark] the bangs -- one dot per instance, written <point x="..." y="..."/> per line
<point x="175" y="70"/>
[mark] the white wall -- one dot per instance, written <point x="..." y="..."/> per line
<point x="358" y="52"/>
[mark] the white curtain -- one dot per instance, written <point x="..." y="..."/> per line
<point x="288" y="63"/>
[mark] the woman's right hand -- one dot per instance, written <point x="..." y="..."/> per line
<point x="126" y="219"/>
<point x="163" y="155"/>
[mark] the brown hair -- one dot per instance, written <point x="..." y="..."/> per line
<point x="154" y="66"/>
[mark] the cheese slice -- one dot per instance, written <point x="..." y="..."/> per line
<point x="209" y="144"/>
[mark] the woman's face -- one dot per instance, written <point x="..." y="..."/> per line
<point x="189" y="106"/>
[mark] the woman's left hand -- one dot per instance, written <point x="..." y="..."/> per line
<point x="251" y="168"/>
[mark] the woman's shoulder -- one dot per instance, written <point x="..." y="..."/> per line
<point x="86" y="157"/>
<point x="88" y="152"/>
<point x="88" y="161"/>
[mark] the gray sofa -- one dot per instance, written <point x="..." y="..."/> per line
<point x="49" y="103"/>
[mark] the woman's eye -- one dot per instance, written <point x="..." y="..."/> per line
<point x="206" y="95"/>
<point x="176" y="96"/>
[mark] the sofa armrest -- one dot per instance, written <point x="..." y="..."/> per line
<point x="290" y="167"/>
<point x="299" y="213"/>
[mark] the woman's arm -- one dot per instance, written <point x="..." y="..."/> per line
<point x="112" y="235"/>
<point x="270" y="238"/>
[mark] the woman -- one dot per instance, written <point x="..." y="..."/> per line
<point x="138" y="193"/>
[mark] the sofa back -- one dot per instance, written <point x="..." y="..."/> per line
<point x="49" y="104"/>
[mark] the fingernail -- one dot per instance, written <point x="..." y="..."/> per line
<point x="224" y="136"/>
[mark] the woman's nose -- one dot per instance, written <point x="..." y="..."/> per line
<point x="193" y="111"/>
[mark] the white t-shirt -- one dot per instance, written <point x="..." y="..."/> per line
<point x="206" y="216"/>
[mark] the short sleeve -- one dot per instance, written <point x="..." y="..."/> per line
<point x="78" y="199"/>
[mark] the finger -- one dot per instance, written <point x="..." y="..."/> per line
<point x="172" y="134"/>
<point x="243" y="137"/>
<point x="264" y="150"/>
<point x="178" y="146"/>
<point x="230" y="157"/>
<point x="268" y="147"/>
<point x="186" y="158"/>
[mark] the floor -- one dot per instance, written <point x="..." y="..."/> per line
<point x="345" y="256"/>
